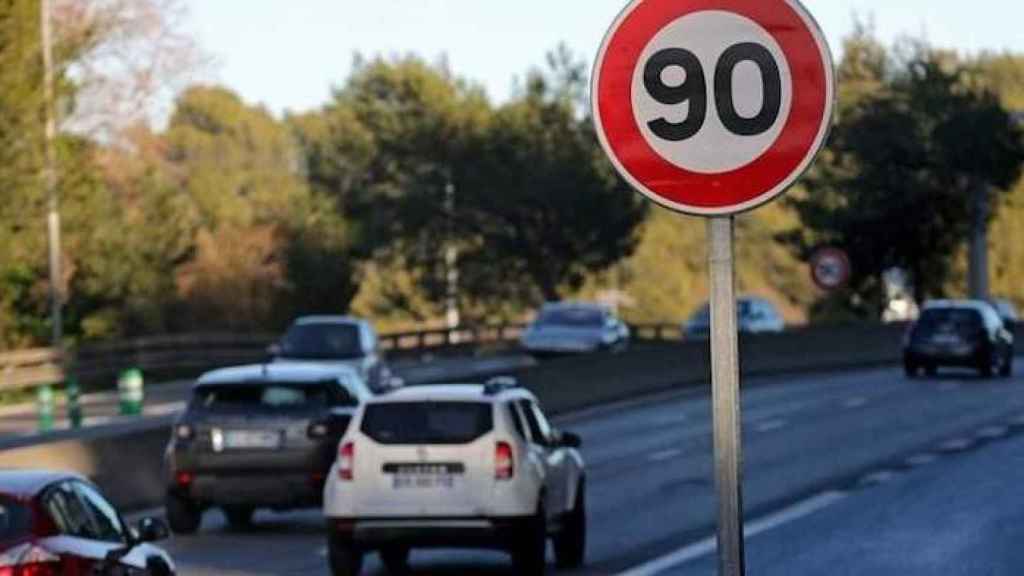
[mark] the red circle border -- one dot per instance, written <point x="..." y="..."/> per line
<point x="745" y="187"/>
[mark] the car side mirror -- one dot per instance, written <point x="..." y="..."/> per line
<point x="151" y="530"/>
<point x="570" y="440"/>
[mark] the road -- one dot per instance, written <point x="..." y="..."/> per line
<point x="829" y="458"/>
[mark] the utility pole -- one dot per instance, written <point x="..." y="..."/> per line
<point x="978" y="285"/>
<point x="50" y="179"/>
<point x="451" y="262"/>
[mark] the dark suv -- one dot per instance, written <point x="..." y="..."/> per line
<point x="258" y="437"/>
<point x="961" y="333"/>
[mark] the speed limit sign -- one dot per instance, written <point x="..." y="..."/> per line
<point x="713" y="107"/>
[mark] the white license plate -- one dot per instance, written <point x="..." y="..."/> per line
<point x="249" y="440"/>
<point x="946" y="339"/>
<point x="418" y="482"/>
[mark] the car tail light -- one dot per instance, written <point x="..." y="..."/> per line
<point x="346" y="461"/>
<point x="184" y="479"/>
<point x="504" y="463"/>
<point x="29" y="560"/>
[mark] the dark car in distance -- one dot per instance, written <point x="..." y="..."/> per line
<point x="959" y="333"/>
<point x="57" y="524"/>
<point x="260" y="436"/>
<point x="335" y="341"/>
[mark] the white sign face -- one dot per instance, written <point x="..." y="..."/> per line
<point x="679" y="91"/>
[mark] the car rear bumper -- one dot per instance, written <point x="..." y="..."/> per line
<point x="270" y="490"/>
<point x="492" y="533"/>
<point x="966" y="357"/>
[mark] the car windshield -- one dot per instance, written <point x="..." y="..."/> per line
<point x="262" y="397"/>
<point x="427" y="422"/>
<point x="326" y="341"/>
<point x="572" y="317"/>
<point x="15" y="520"/>
<point x="949" y="321"/>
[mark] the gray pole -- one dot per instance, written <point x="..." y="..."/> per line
<point x="978" y="266"/>
<point x="50" y="177"/>
<point x="451" y="261"/>
<point x="725" y="384"/>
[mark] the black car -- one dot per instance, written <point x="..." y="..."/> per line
<point x="258" y="437"/>
<point x="959" y="333"/>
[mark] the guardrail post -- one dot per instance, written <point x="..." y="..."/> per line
<point x="44" y="407"/>
<point x="74" y="403"/>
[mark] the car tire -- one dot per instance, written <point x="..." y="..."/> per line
<point x="395" y="559"/>
<point x="530" y="553"/>
<point x="239" y="517"/>
<point x="344" y="559"/>
<point x="989" y="365"/>
<point x="158" y="567"/>
<point x="183" y="515"/>
<point x="910" y="369"/>
<point x="571" y="543"/>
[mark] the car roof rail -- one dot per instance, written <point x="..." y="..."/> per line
<point x="500" y="384"/>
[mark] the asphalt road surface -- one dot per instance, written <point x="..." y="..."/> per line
<point x="846" y="473"/>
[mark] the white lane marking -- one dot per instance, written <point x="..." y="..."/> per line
<point x="770" y="425"/>
<point x="992" y="432"/>
<point x="956" y="445"/>
<point x="853" y="403"/>
<point x="921" y="459"/>
<point x="664" y="455"/>
<point x="877" y="478"/>
<point x="707" y="546"/>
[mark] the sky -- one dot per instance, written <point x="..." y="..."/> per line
<point x="288" y="54"/>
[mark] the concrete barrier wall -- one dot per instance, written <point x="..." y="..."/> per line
<point x="127" y="462"/>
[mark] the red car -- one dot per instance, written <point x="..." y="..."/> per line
<point x="57" y="524"/>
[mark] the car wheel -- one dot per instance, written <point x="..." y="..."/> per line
<point x="239" y="517"/>
<point x="344" y="559"/>
<point x="571" y="543"/>
<point x="183" y="515"/>
<point x="530" y="553"/>
<point x="158" y="567"/>
<point x="910" y="369"/>
<point x="989" y="365"/>
<point x="395" y="559"/>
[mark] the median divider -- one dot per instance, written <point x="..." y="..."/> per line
<point x="126" y="461"/>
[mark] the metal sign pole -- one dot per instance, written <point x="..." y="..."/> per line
<point x="725" y="384"/>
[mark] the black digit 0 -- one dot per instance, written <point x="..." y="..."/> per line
<point x="771" y="79"/>
<point x="694" y="89"/>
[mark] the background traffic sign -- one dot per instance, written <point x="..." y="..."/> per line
<point x="713" y="107"/>
<point x="830" y="268"/>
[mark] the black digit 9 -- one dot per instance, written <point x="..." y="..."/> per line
<point x="693" y="90"/>
<point x="771" y="79"/>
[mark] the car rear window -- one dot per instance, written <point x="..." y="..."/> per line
<point x="427" y="422"/>
<point x="953" y="321"/>
<point x="326" y="341"/>
<point x="262" y="396"/>
<point x="15" y="520"/>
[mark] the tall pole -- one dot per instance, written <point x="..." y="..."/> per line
<point x="50" y="178"/>
<point x="451" y="262"/>
<point x="725" y="386"/>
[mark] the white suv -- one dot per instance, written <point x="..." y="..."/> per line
<point x="455" y="466"/>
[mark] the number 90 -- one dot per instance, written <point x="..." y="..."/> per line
<point x="694" y="91"/>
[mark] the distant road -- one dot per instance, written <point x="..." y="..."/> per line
<point x="816" y="446"/>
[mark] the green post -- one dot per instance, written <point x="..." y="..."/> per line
<point x="129" y="387"/>
<point x="74" y="403"/>
<point x="44" y="407"/>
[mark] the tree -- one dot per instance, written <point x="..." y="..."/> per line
<point x="896" y="184"/>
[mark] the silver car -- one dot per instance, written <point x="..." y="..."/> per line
<point x="575" y="328"/>
<point x="754" y="316"/>
<point x="336" y="340"/>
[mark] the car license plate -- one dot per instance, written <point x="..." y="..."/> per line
<point x="422" y="482"/>
<point x="252" y="440"/>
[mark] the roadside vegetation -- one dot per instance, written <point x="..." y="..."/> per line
<point x="186" y="208"/>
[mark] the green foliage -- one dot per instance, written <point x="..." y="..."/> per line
<point x="895" y="186"/>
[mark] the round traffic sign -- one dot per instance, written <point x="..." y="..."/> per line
<point x="830" y="268"/>
<point x="713" y="107"/>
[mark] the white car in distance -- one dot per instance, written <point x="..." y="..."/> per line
<point x="455" y="466"/>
